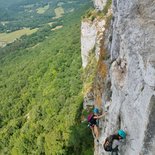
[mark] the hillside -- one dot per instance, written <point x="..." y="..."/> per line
<point x="19" y="16"/>
<point x="41" y="92"/>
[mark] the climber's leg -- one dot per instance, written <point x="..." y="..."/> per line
<point x="92" y="129"/>
<point x="96" y="131"/>
<point x="115" y="151"/>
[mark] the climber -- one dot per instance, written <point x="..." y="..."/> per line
<point x="93" y="122"/>
<point x="113" y="142"/>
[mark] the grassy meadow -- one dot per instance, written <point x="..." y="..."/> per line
<point x="10" y="37"/>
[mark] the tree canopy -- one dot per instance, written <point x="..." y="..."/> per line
<point x="40" y="91"/>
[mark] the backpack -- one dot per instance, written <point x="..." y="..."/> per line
<point x="108" y="146"/>
<point x="90" y="116"/>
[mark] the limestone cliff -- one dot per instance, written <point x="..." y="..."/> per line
<point x="132" y="76"/>
<point x="99" y="4"/>
<point x="91" y="34"/>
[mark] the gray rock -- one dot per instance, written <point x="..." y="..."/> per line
<point x="99" y="4"/>
<point x="91" y="34"/>
<point x="133" y="76"/>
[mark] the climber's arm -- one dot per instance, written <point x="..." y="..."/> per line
<point x="98" y="117"/>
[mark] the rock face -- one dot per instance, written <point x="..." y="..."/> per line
<point x="99" y="4"/>
<point x="133" y="76"/>
<point x="91" y="34"/>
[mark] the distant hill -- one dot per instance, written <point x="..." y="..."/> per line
<point x="17" y="14"/>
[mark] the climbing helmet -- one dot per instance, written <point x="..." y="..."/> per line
<point x="96" y="111"/>
<point x="122" y="134"/>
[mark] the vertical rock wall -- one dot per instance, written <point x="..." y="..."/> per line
<point x="133" y="76"/>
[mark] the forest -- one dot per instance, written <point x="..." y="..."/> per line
<point x="16" y="14"/>
<point x="41" y="87"/>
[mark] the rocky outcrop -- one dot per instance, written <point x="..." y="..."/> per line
<point x="99" y="4"/>
<point x="91" y="34"/>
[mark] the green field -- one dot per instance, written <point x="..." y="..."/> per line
<point x="28" y="6"/>
<point x="58" y="12"/>
<point x="5" y="22"/>
<point x="6" y="38"/>
<point x="57" y="27"/>
<point x="42" y="10"/>
<point x="50" y="24"/>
